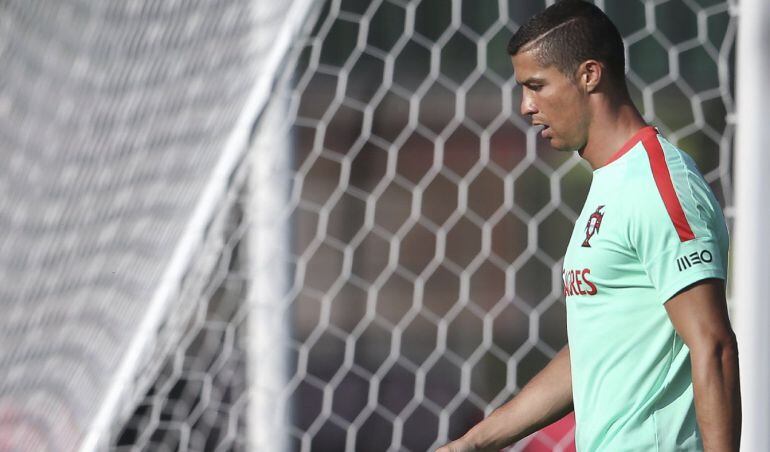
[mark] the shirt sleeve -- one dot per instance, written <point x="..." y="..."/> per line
<point x="679" y="246"/>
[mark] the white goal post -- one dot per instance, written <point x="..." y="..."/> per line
<point x="752" y="221"/>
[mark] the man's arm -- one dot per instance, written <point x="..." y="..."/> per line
<point x="699" y="315"/>
<point x="545" y="399"/>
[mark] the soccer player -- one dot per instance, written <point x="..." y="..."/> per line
<point x="651" y="362"/>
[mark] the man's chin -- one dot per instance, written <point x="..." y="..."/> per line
<point x="560" y="145"/>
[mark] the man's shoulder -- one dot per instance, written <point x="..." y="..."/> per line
<point x="657" y="167"/>
<point x="672" y="191"/>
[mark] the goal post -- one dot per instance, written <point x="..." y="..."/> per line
<point x="752" y="221"/>
<point x="269" y="274"/>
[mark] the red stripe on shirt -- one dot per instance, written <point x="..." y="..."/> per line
<point x="666" y="187"/>
<point x="641" y="134"/>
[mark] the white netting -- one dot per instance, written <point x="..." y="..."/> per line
<point x="385" y="267"/>
<point x="120" y="125"/>
<point x="400" y="241"/>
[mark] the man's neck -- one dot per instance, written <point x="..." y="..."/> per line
<point x="609" y="130"/>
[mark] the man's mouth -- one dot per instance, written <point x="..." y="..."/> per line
<point x="545" y="130"/>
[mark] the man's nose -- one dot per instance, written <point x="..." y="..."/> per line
<point x="527" y="105"/>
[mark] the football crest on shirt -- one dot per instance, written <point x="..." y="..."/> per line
<point x="593" y="225"/>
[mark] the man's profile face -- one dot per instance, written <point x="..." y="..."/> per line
<point x="551" y="99"/>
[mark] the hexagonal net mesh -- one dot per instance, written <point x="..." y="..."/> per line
<point x="387" y="266"/>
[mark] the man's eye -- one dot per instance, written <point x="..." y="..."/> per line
<point x="535" y="87"/>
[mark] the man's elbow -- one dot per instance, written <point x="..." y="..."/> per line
<point x="722" y="348"/>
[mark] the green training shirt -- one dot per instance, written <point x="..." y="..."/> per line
<point x="650" y="227"/>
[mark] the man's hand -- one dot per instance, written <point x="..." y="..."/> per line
<point x="463" y="445"/>
<point x="459" y="445"/>
<point x="544" y="400"/>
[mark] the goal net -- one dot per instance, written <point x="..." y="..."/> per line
<point x="317" y="226"/>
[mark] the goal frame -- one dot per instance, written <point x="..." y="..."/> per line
<point x="751" y="284"/>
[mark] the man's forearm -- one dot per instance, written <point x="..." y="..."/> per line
<point x="545" y="399"/>
<point x="717" y="396"/>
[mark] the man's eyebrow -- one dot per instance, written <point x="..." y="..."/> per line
<point x="531" y="81"/>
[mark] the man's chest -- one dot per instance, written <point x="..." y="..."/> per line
<point x="600" y="256"/>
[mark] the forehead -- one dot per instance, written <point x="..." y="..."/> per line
<point x="527" y="67"/>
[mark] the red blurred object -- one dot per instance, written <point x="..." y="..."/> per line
<point x="546" y="439"/>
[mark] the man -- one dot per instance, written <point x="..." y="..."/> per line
<point x="651" y="362"/>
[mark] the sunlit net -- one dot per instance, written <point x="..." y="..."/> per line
<point x="383" y="268"/>
<point x="413" y="225"/>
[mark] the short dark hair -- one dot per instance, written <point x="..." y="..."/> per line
<point x="570" y="32"/>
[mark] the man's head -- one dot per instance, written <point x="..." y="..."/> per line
<point x="569" y="33"/>
<point x="561" y="56"/>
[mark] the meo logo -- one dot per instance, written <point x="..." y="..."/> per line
<point x="694" y="258"/>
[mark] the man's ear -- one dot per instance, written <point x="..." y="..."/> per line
<point x="590" y="75"/>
